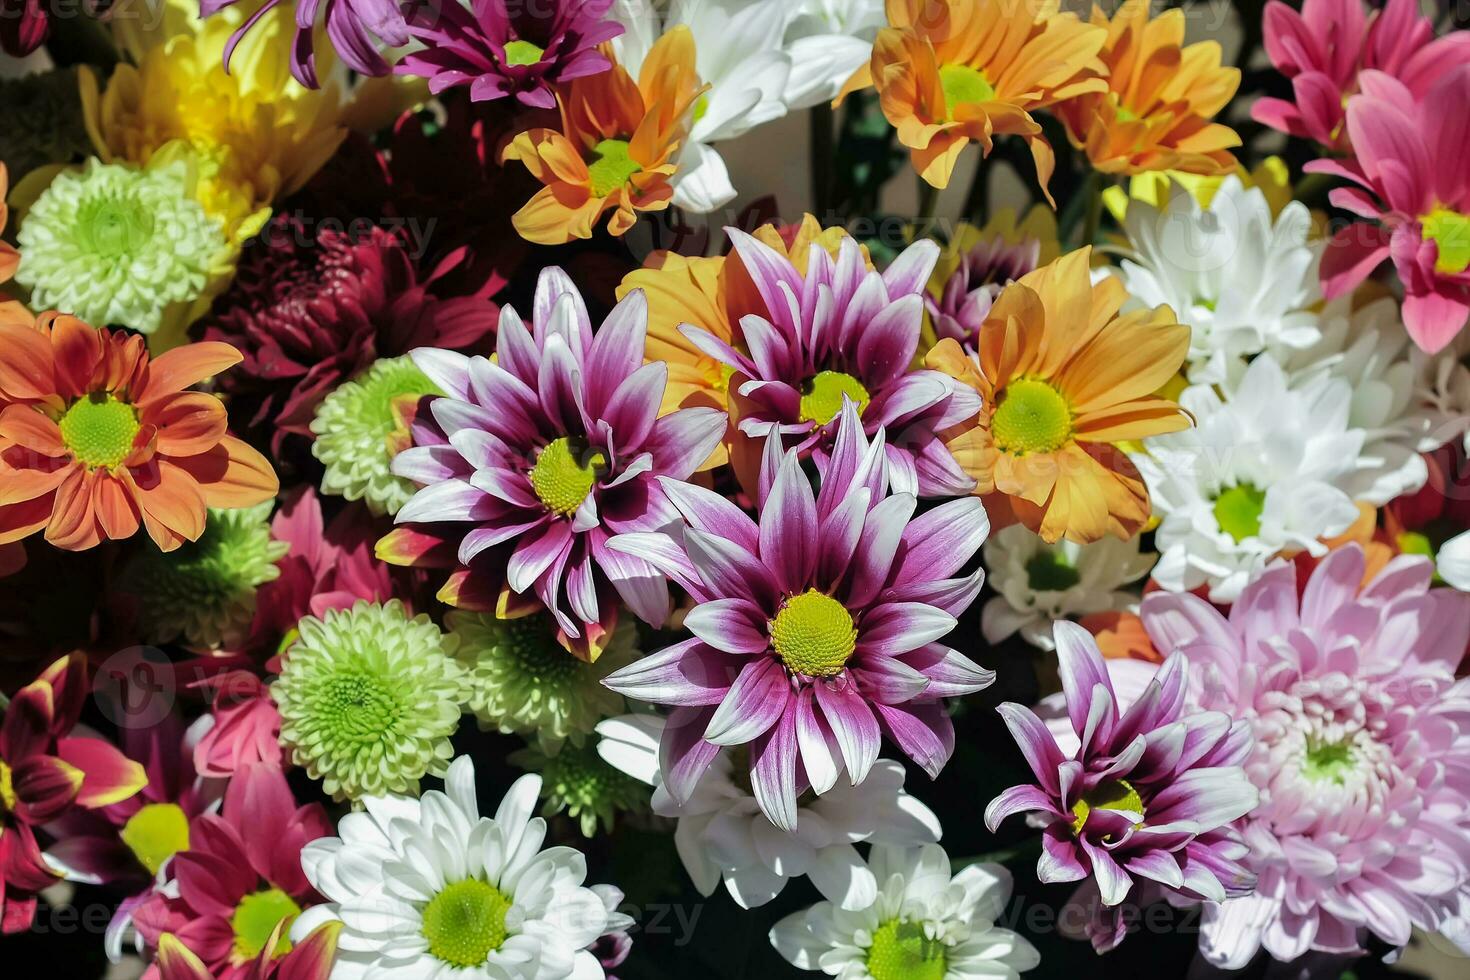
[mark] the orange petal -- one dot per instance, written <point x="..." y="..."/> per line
<point x="181" y="367"/>
<point x="172" y="504"/>
<point x="188" y="424"/>
<point x="24" y="426"/>
<point x="116" y="509"/>
<point x="26" y="371"/>
<point x="76" y="349"/>
<point x="232" y="474"/>
<point x="21" y="483"/>
<point x="73" y="525"/>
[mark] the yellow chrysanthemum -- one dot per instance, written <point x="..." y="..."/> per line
<point x="1271" y="175"/>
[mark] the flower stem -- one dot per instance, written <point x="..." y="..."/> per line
<point x="823" y="161"/>
<point x="928" y="205"/>
<point x="1093" y="216"/>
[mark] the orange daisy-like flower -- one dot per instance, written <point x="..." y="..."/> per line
<point x="95" y="438"/>
<point x="1064" y="379"/>
<point x="1161" y="96"/>
<point x="617" y="148"/>
<point x="952" y="71"/>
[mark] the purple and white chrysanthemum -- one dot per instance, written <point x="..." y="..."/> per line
<point x="501" y="49"/>
<point x="1360" y="744"/>
<point x="844" y="331"/>
<point x="355" y="28"/>
<point x="962" y="302"/>
<point x="1143" y="795"/>
<point x="815" y="630"/>
<point x="554" y="447"/>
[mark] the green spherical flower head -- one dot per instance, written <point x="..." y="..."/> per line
<point x="204" y="591"/>
<point x="522" y="681"/>
<point x="361" y="426"/>
<point x="116" y="245"/>
<point x="43" y="121"/>
<point x="576" y="781"/>
<point x="368" y="699"/>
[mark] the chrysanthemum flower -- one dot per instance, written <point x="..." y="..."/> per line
<point x="949" y="72"/>
<point x="204" y="591"/>
<point x="839" y="331"/>
<point x="976" y="264"/>
<point x="576" y="781"/>
<point x="815" y="630"/>
<point x="1325" y="47"/>
<point x="24" y="26"/>
<point x="368" y="699"/>
<point x="523" y="681"/>
<point x="499" y="48"/>
<point x="552" y="448"/>
<point x="926" y="924"/>
<point x="1141" y="793"/>
<point x="617" y="148"/>
<point x="430" y="888"/>
<point x="1161" y="96"/>
<point x="239" y="886"/>
<point x="1407" y="164"/>
<point x="355" y="28"/>
<point x="96" y="439"/>
<point x="310" y="959"/>
<point x="362" y="425"/>
<point x="1358" y="735"/>
<point x="243" y="727"/>
<point x="1064" y="378"/>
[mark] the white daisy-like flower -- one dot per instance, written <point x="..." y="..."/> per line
<point x="1240" y="278"/>
<point x="1452" y="562"/>
<point x="1442" y="387"/>
<point x="1039" y="583"/>
<point x="924" y="925"/>
<point x="430" y="889"/>
<point x="722" y="832"/>
<point x="828" y="40"/>
<point x="1263" y="471"/>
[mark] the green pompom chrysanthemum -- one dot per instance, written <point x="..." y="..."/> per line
<point x="359" y="428"/>
<point x="205" y="590"/>
<point x="368" y="699"/>
<point x="116" y="245"/>
<point x="522" y="681"/>
<point x="577" y="782"/>
<point x="43" y="121"/>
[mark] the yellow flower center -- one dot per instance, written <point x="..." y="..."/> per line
<point x="1032" y="417"/>
<point x="156" y="833"/>
<point x="522" y="53"/>
<point x="1238" y="511"/>
<point x="821" y="395"/>
<point x="255" y="919"/>
<point x="99" y="429"/>
<point x="1115" y="794"/>
<point x="813" y="634"/>
<point x="564" y="474"/>
<point x="465" y="922"/>
<point x="1450" y="230"/>
<point x="8" y="799"/>
<point x="901" y="951"/>
<point x="610" y="167"/>
<point x="964" y="85"/>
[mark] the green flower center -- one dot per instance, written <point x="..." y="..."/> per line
<point x="1328" y="762"/>
<point x="256" y="918"/>
<point x="701" y="106"/>
<point x="1238" y="511"/>
<point x="531" y="641"/>
<point x="813" y="634"/>
<point x="1450" y="230"/>
<point x="357" y="706"/>
<point x="1032" y="417"/>
<point x="610" y="167"/>
<point x="8" y="799"/>
<point x="465" y="922"/>
<point x="99" y="429"/>
<point x="1415" y="543"/>
<point x="964" y="85"/>
<point x="522" y="53"/>
<point x="156" y="833"/>
<point x="821" y="395"/>
<point x="1124" y="114"/>
<point x="1049" y="571"/>
<point x="564" y="474"/>
<point x="1115" y="794"/>
<point x="901" y="951"/>
<point x="110" y="226"/>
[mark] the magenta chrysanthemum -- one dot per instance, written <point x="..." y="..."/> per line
<point x="965" y="299"/>
<point x="354" y="26"/>
<point x="552" y="448"/>
<point x="814" y="630"/>
<point x="844" y="331"/>
<point x="1360" y="744"/>
<point x="501" y="49"/>
<point x="1143" y="794"/>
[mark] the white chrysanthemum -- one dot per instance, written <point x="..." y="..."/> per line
<point x="1039" y="583"/>
<point x="723" y="834"/>
<point x="113" y="244"/>
<point x="924" y="925"/>
<point x="430" y="889"/>
<point x="1239" y="278"/>
<point x="1263" y="471"/>
<point x="1442" y="387"/>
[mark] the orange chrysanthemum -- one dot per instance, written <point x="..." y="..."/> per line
<point x="952" y="71"/>
<point x="1161" y="96"/>
<point x="1064" y="379"/>
<point x="95" y="438"/>
<point x="617" y="149"/>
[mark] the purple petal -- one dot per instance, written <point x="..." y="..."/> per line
<point x="854" y="727"/>
<point x="886" y="679"/>
<point x="898" y="627"/>
<point x="1018" y="799"/>
<point x="633" y="408"/>
<point x="1080" y="664"/>
<point x="575" y="325"/>
<point x="773" y="773"/>
<point x="1113" y="882"/>
<point x="923" y="731"/>
<point x="728" y="570"/>
<point x="909" y="272"/>
<point x="686" y="674"/>
<point x="660" y="551"/>
<point x="536" y="553"/>
<point x="617" y="350"/>
<point x="452" y="500"/>
<point x="769" y="271"/>
<point x="755" y="701"/>
<point x="449" y="370"/>
<point x="886" y="348"/>
<point x="1059" y="861"/>
<point x="816" y="743"/>
<point x="951" y="674"/>
<point x="712" y="513"/>
<point x="684" y="755"/>
<point x="938" y="542"/>
<point x="1036" y="744"/>
<point x="732" y="625"/>
<point x="681" y="442"/>
<point x="788" y="528"/>
<point x="882" y="533"/>
<point x="641" y="585"/>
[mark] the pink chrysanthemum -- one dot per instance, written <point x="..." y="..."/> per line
<point x="1142" y="794"/>
<point x="1360" y="745"/>
<point x="814" y="630"/>
<point x="843" y="331"/>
